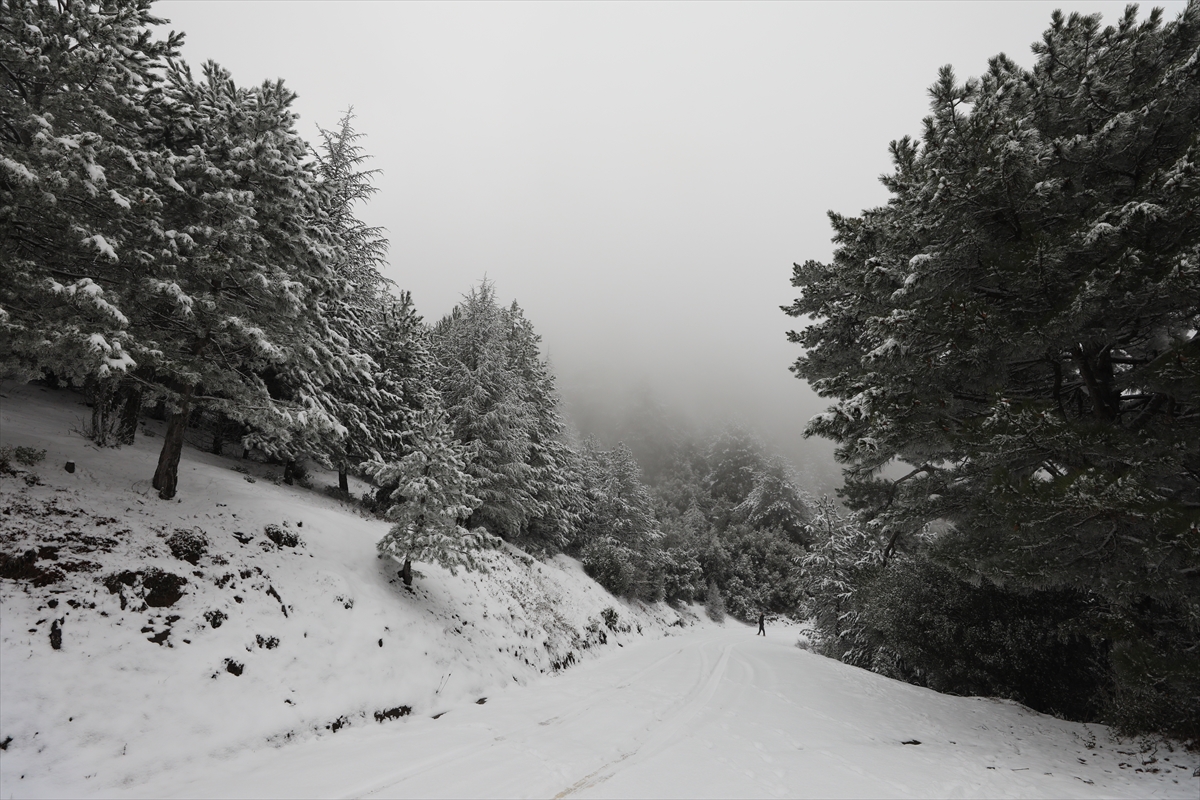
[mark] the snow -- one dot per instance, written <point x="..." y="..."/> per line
<point x="101" y="244"/>
<point x="17" y="169"/>
<point x="113" y="709"/>
<point x="698" y="710"/>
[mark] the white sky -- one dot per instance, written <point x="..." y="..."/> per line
<point x="638" y="176"/>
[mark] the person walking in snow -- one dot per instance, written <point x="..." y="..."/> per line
<point x="762" y="624"/>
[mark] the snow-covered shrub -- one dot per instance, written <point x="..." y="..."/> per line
<point x="26" y="456"/>
<point x="282" y="536"/>
<point x="610" y="617"/>
<point x="188" y="544"/>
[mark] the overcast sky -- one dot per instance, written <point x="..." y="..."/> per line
<point x="638" y="176"/>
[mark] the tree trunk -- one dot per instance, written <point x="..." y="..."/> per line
<point x="288" y="469"/>
<point x="130" y="410"/>
<point x="343" y="480"/>
<point x="218" y="443"/>
<point x="100" y="391"/>
<point x="166" y="477"/>
<point x="406" y="573"/>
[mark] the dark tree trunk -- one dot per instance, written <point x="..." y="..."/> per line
<point x="406" y="573"/>
<point x="100" y="392"/>
<point x="131" y="408"/>
<point x="218" y="443"/>
<point x="289" y="470"/>
<point x="166" y="477"/>
<point x="343" y="480"/>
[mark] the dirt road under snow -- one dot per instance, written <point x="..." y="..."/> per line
<point x="715" y="714"/>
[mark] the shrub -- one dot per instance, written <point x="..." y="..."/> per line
<point x="714" y="604"/>
<point x="188" y="544"/>
<point x="282" y="536"/>
<point x="29" y="456"/>
<point x="933" y="629"/>
<point x="610" y="565"/>
<point x="610" y="617"/>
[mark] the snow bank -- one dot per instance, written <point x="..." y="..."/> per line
<point x="141" y="635"/>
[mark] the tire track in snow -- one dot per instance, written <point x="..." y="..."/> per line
<point x="576" y="709"/>
<point x="664" y="734"/>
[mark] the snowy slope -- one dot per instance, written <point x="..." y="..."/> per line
<point x="264" y="644"/>
<point x="143" y="703"/>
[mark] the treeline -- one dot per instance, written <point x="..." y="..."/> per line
<point x="714" y="519"/>
<point x="174" y="247"/>
<point x="1018" y="329"/>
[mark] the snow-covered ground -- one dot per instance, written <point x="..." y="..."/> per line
<point x="715" y="713"/>
<point x="324" y="677"/>
<point x="263" y="643"/>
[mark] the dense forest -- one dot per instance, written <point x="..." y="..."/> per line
<point x="1016" y="328"/>
<point x="174" y="248"/>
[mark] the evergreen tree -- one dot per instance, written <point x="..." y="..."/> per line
<point x="1019" y="326"/>
<point x="365" y="317"/>
<point x="735" y="458"/>
<point x="433" y="499"/>
<point x="232" y="304"/>
<point x="775" y="502"/>
<point x="503" y="407"/>
<point x="841" y="558"/>
<point x="619" y="533"/>
<point x="80" y="189"/>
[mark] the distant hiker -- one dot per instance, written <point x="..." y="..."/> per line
<point x="762" y="624"/>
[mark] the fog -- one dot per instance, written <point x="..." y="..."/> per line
<point x="639" y="177"/>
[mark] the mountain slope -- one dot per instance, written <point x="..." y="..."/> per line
<point x="140" y="635"/>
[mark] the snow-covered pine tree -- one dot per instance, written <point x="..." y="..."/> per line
<point x="1019" y="326"/>
<point x="433" y="499"/>
<point x="373" y="415"/>
<point x="232" y="301"/>
<point x="840" y="557"/>
<point x="500" y="396"/>
<point x="775" y="502"/>
<point x="488" y="414"/>
<point x="618" y="532"/>
<point x="554" y="481"/>
<point x="80" y="190"/>
<point x="735" y="457"/>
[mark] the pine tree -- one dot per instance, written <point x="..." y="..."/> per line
<point x="80" y="188"/>
<point x="502" y="404"/>
<point x="232" y="303"/>
<point x="840" y="559"/>
<point x="433" y="499"/>
<point x="1019" y="326"/>
<point x="364" y="317"/>
<point x="775" y="502"/>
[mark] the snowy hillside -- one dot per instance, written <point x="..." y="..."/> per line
<point x="245" y="640"/>
<point x="139" y="635"/>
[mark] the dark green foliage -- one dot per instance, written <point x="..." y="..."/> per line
<point x="764" y="573"/>
<point x="611" y="565"/>
<point x="188" y="544"/>
<point x="29" y="456"/>
<point x="1039" y="648"/>
<point x="500" y="396"/>
<point x="611" y="618"/>
<point x="1018" y="325"/>
<point x="1156" y="671"/>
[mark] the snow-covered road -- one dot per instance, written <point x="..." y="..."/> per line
<point x="716" y="713"/>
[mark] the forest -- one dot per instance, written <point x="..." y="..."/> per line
<point x="1015" y="331"/>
